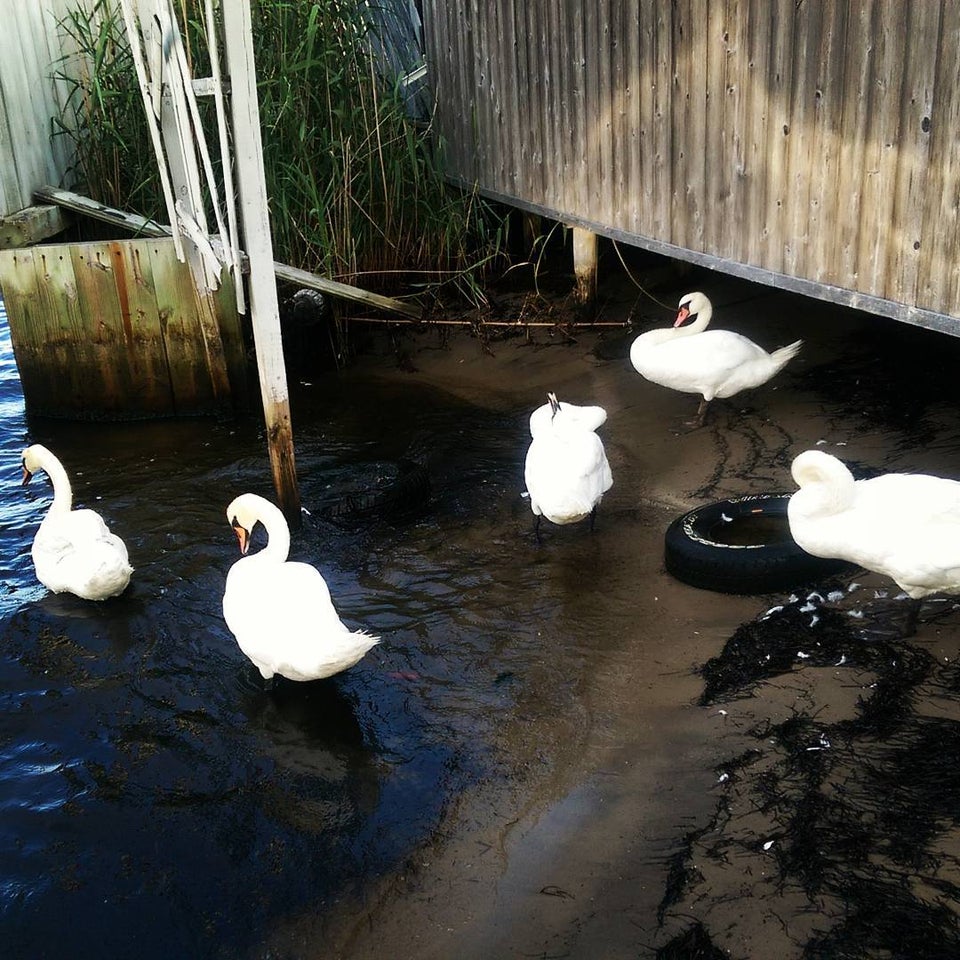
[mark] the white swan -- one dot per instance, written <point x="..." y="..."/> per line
<point x="73" y="550"/>
<point x="280" y="611"/>
<point x="902" y="525"/>
<point x="714" y="363"/>
<point x="589" y="417"/>
<point x="566" y="468"/>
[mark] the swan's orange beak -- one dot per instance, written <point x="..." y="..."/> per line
<point x="27" y="476"/>
<point x="243" y="537"/>
<point x="681" y="316"/>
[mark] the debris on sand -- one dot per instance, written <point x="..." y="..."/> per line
<point x="847" y="816"/>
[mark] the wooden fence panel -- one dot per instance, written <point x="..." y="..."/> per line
<point x="903" y="252"/>
<point x="806" y="145"/>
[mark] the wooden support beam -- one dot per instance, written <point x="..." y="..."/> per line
<point x="150" y="228"/>
<point x="347" y="292"/>
<point x="585" y="264"/>
<point x="31" y="225"/>
<point x="78" y="203"/>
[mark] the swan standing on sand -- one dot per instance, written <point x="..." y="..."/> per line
<point x="280" y="611"/>
<point x="714" y="363"/>
<point x="904" y="526"/>
<point x="74" y="551"/>
<point x="566" y="469"/>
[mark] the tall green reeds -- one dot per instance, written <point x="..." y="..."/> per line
<point x="356" y="186"/>
<point x="103" y="115"/>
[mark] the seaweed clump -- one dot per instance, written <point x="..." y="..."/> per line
<point x="853" y="819"/>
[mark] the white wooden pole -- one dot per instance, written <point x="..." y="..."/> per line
<point x="226" y="159"/>
<point x="255" y="219"/>
<point x="153" y="114"/>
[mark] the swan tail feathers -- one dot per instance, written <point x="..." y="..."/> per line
<point x="785" y="354"/>
<point x="370" y="639"/>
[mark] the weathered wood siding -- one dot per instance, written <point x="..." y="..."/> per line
<point x="811" y="144"/>
<point x="29" y="98"/>
<point x="117" y="330"/>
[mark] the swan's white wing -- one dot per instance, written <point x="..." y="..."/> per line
<point x="339" y="651"/>
<point x="284" y="620"/>
<point x="909" y="499"/>
<point x="75" y="553"/>
<point x="566" y="475"/>
<point x="263" y="598"/>
<point x="715" y="363"/>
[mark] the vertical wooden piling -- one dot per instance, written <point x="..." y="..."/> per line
<point x="264" y="307"/>
<point x="585" y="264"/>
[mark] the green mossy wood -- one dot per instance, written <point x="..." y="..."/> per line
<point x="116" y="330"/>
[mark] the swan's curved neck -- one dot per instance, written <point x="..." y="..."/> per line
<point x="826" y="486"/>
<point x="704" y="315"/>
<point x="62" y="491"/>
<point x="278" y="534"/>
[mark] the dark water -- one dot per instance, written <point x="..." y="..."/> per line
<point x="154" y="800"/>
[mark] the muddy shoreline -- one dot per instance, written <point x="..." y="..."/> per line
<point x="592" y="851"/>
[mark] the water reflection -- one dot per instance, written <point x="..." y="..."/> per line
<point x="155" y="797"/>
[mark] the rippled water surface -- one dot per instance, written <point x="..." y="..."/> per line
<point x="154" y="799"/>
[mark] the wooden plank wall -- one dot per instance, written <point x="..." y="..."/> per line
<point x="114" y="330"/>
<point x="811" y="144"/>
<point x="29" y="98"/>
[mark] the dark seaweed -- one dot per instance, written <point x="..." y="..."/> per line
<point x="864" y="810"/>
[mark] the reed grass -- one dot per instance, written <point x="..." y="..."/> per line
<point x="103" y="113"/>
<point x="356" y="185"/>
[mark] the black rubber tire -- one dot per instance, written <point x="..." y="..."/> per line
<point x="693" y="554"/>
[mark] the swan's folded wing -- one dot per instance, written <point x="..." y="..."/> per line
<point x="927" y="559"/>
<point x="910" y="499"/>
<point x="333" y="652"/>
<point x="698" y="364"/>
<point x="275" y="600"/>
<point x="592" y="456"/>
<point x="63" y="532"/>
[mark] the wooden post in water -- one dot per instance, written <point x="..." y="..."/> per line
<point x="254" y="215"/>
<point x="585" y="264"/>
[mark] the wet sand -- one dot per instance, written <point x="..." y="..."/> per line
<point x="583" y="856"/>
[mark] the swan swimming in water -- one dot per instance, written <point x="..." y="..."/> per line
<point x="566" y="468"/>
<point x="714" y="363"/>
<point x="280" y="610"/>
<point x="904" y="526"/>
<point x="74" y="550"/>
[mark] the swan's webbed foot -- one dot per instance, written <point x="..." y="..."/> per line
<point x="536" y="529"/>
<point x="593" y="518"/>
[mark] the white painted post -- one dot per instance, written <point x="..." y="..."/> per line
<point x="257" y="241"/>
